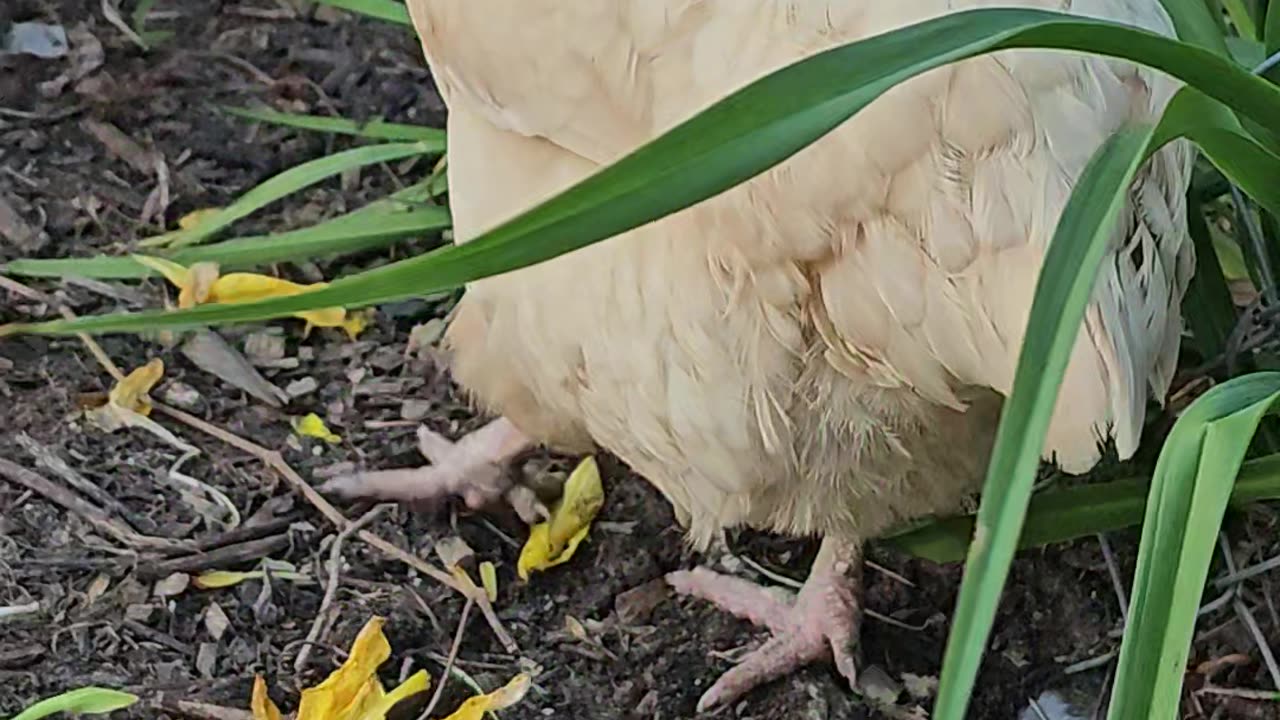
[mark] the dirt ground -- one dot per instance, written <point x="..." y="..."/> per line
<point x="80" y="188"/>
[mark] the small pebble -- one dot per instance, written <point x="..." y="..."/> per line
<point x="182" y="395"/>
<point x="301" y="386"/>
<point x="264" y="347"/>
<point x="415" y="409"/>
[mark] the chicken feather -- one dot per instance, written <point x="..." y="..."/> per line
<point x="812" y="327"/>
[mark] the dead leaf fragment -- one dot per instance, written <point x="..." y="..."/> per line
<point x="172" y="585"/>
<point x="211" y="353"/>
<point x="216" y="621"/>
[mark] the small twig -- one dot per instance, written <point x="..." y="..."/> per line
<point x="1035" y="705"/>
<point x="448" y="663"/>
<point x="250" y="531"/>
<point x="887" y="572"/>
<point x="219" y="559"/>
<point x="776" y="577"/>
<point x="155" y="636"/>
<point x="1090" y="663"/>
<point x="331" y="587"/>
<point x="1243" y="693"/>
<point x="201" y="711"/>
<point x="113" y="16"/>
<point x="1249" y="572"/>
<point x="1116" y="582"/>
<point x="894" y="621"/>
<point x="1246" y="616"/>
<point x="89" y="512"/>
<point x="10" y="611"/>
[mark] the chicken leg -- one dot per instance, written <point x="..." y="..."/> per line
<point x="474" y="468"/>
<point x="821" y="621"/>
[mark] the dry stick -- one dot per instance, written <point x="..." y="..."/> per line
<point x="1117" y="583"/>
<point x="276" y="462"/>
<point x="331" y="588"/>
<point x="1260" y="640"/>
<point x="219" y="558"/>
<point x="448" y="663"/>
<point x="91" y="513"/>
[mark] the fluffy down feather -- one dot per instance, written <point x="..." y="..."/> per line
<point x="823" y="348"/>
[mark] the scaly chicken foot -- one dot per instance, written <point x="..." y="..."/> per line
<point x="474" y="468"/>
<point x="820" y="622"/>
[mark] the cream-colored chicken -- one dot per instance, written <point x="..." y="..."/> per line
<point x="823" y="349"/>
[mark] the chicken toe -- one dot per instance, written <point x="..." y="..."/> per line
<point x="820" y="622"/>
<point x="474" y="468"/>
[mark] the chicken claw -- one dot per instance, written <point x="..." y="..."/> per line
<point x="820" y="622"/>
<point x="474" y="468"/>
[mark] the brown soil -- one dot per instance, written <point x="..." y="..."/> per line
<point x="100" y="622"/>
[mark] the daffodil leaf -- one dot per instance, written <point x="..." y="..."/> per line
<point x="82" y="701"/>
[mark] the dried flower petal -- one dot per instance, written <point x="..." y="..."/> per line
<point x="310" y="425"/>
<point x="502" y="698"/>
<point x="555" y="541"/>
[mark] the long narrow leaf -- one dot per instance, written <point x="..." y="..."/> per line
<point x="334" y="237"/>
<point x="1062" y="294"/>
<point x="86" y="700"/>
<point x="291" y="181"/>
<point x="373" y="129"/>
<point x="387" y="10"/>
<point x="1064" y="514"/>
<point x="1189" y="494"/>
<point x="733" y="140"/>
<point x="1196" y="24"/>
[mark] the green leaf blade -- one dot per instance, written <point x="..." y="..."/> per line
<point x="85" y="701"/>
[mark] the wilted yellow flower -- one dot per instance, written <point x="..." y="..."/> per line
<point x="201" y="283"/>
<point x="353" y="691"/>
<point x="553" y="542"/>
<point x="310" y="425"/>
<point x="131" y="392"/>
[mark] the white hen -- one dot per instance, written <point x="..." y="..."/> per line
<point x="821" y="350"/>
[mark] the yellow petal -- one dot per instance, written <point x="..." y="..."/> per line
<point x="195" y="217"/>
<point x="261" y="705"/>
<point x="172" y="271"/>
<point x="248" y="287"/>
<point x="311" y="425"/>
<point x="502" y="698"/>
<point x="489" y="578"/>
<point x="377" y="710"/>
<point x="131" y="392"/>
<point x="348" y="686"/>
<point x="555" y="541"/>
